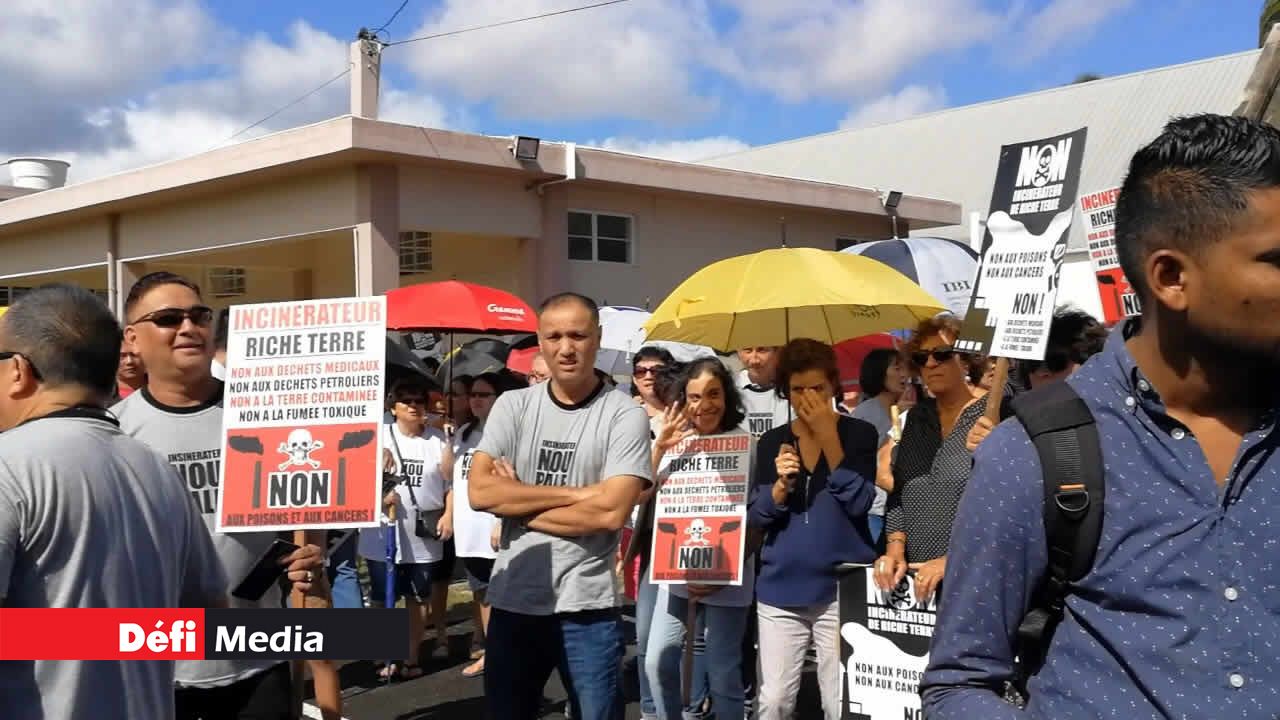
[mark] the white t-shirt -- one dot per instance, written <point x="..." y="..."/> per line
<point x="418" y="462"/>
<point x="471" y="528"/>
<point x="765" y="410"/>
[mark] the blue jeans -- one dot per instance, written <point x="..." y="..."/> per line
<point x="724" y="629"/>
<point x="876" y="524"/>
<point x="522" y="650"/>
<point x="646" y="598"/>
<point x="343" y="579"/>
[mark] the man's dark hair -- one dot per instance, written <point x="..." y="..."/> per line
<point x="222" y="328"/>
<point x="874" y="367"/>
<point x="1189" y="187"/>
<point x="734" y="413"/>
<point x="1077" y="334"/>
<point x="652" y="352"/>
<point x="566" y="298"/>
<point x="68" y="335"/>
<point x="150" y="281"/>
<point x="804" y="354"/>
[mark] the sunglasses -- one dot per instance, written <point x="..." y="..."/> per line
<point x="199" y="315"/>
<point x="483" y="395"/>
<point x="941" y="355"/>
<point x="412" y="401"/>
<point x="5" y="355"/>
<point x="643" y="371"/>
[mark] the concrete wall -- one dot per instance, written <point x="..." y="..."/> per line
<point x="463" y="201"/>
<point x="304" y="204"/>
<point x="481" y="259"/>
<point x="70" y="245"/>
<point x="673" y="236"/>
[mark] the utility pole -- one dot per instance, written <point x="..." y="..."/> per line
<point x="366" y="72"/>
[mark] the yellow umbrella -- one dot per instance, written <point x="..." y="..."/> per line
<point x="770" y="297"/>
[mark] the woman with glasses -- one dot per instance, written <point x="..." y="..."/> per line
<point x="929" y="467"/>
<point x="651" y="369"/>
<point x="414" y="455"/>
<point x="476" y="533"/>
<point x="883" y="379"/>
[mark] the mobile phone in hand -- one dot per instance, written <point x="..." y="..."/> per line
<point x="265" y="572"/>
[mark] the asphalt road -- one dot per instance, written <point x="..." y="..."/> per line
<point x="442" y="693"/>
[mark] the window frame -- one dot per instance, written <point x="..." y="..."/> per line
<point x="595" y="236"/>
<point x="215" y="274"/>
<point x="415" y="236"/>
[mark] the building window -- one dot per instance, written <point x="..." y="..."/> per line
<point x="415" y="252"/>
<point x="599" y="237"/>
<point x="10" y="294"/>
<point x="227" y="281"/>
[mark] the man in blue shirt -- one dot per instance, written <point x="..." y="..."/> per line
<point x="1180" y="614"/>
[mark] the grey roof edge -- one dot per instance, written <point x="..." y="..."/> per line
<point x="985" y="103"/>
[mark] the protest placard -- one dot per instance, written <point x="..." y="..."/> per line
<point x="701" y="511"/>
<point x="1119" y="300"/>
<point x="303" y="405"/>
<point x="1032" y="204"/>
<point x="884" y="646"/>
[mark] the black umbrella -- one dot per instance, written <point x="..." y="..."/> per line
<point x="402" y="362"/>
<point x="475" y="358"/>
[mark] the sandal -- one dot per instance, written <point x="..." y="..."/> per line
<point x="477" y="653"/>
<point x="475" y="669"/>
<point x="408" y="672"/>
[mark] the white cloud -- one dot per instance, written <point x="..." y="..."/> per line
<point x="634" y="60"/>
<point x="845" y="50"/>
<point x="1061" y="22"/>
<point x="682" y="150"/>
<point x="189" y="117"/>
<point x="908" y="102"/>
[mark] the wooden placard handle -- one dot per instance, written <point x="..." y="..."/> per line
<point x="995" y="398"/>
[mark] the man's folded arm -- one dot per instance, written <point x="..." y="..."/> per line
<point x="508" y="497"/>
<point x="605" y="510"/>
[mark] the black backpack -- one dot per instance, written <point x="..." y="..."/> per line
<point x="1066" y="438"/>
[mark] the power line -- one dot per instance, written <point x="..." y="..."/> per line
<point x="297" y="100"/>
<point x="394" y="15"/>
<point x="506" y="22"/>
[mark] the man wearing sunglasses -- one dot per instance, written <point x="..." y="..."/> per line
<point x="179" y="413"/>
<point x="79" y="502"/>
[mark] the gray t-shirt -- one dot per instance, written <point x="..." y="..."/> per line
<point x="870" y="410"/>
<point x="605" y="436"/>
<point x="90" y="518"/>
<point x="191" y="439"/>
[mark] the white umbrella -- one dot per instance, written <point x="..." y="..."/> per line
<point x="944" y="268"/>
<point x="624" y="335"/>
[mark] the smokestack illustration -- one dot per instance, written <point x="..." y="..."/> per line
<point x="722" y="560"/>
<point x="670" y="529"/>
<point x="250" y="445"/>
<point x="350" y="441"/>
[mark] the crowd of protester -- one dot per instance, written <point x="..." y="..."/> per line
<point x="1173" y="619"/>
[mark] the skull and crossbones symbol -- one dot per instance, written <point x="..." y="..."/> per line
<point x="298" y="448"/>
<point x="697" y="532"/>
<point x="1044" y="164"/>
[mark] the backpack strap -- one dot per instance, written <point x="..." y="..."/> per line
<point x="1065" y="434"/>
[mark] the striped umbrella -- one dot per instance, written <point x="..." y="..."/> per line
<point x="943" y="268"/>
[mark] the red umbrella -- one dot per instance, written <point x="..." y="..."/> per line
<point x="851" y="353"/>
<point x="454" y="306"/>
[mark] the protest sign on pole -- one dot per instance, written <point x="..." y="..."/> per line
<point x="1032" y="204"/>
<point x="1119" y="300"/>
<point x="884" y="646"/>
<point x="303" y="408"/>
<point x="700" y="514"/>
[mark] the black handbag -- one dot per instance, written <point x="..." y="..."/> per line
<point x="426" y="523"/>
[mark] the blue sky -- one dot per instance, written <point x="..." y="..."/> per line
<point x="119" y="83"/>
